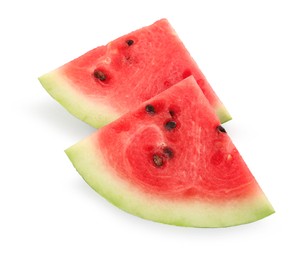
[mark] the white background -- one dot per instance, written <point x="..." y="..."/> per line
<point x="250" y="53"/>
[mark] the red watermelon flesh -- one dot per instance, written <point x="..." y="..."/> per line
<point x="170" y="161"/>
<point x="111" y="80"/>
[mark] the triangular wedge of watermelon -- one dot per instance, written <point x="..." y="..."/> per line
<point x="172" y="162"/>
<point x="110" y="80"/>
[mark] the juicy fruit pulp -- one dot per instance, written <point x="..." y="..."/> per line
<point x="170" y="161"/>
<point x="111" y="80"/>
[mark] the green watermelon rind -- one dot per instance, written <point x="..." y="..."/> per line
<point x="222" y="114"/>
<point x="89" y="162"/>
<point x="79" y="105"/>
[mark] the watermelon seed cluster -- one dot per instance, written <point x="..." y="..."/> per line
<point x="99" y="74"/>
<point x="159" y="159"/>
<point x="168" y="153"/>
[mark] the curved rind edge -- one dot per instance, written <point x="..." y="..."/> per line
<point x="89" y="163"/>
<point x="79" y="105"/>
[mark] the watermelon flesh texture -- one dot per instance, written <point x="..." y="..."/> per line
<point x="170" y="161"/>
<point x="110" y="80"/>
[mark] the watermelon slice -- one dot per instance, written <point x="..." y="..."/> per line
<point x="111" y="80"/>
<point x="172" y="162"/>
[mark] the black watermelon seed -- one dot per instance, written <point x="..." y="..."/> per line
<point x="158" y="160"/>
<point x="221" y="129"/>
<point x="98" y="74"/>
<point x="168" y="152"/>
<point x="129" y="42"/>
<point x="170" y="125"/>
<point x="150" y="109"/>
<point x="172" y="113"/>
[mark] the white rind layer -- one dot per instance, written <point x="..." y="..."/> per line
<point x="94" y="112"/>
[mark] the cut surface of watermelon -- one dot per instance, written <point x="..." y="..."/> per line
<point x="110" y="80"/>
<point x="172" y="162"/>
